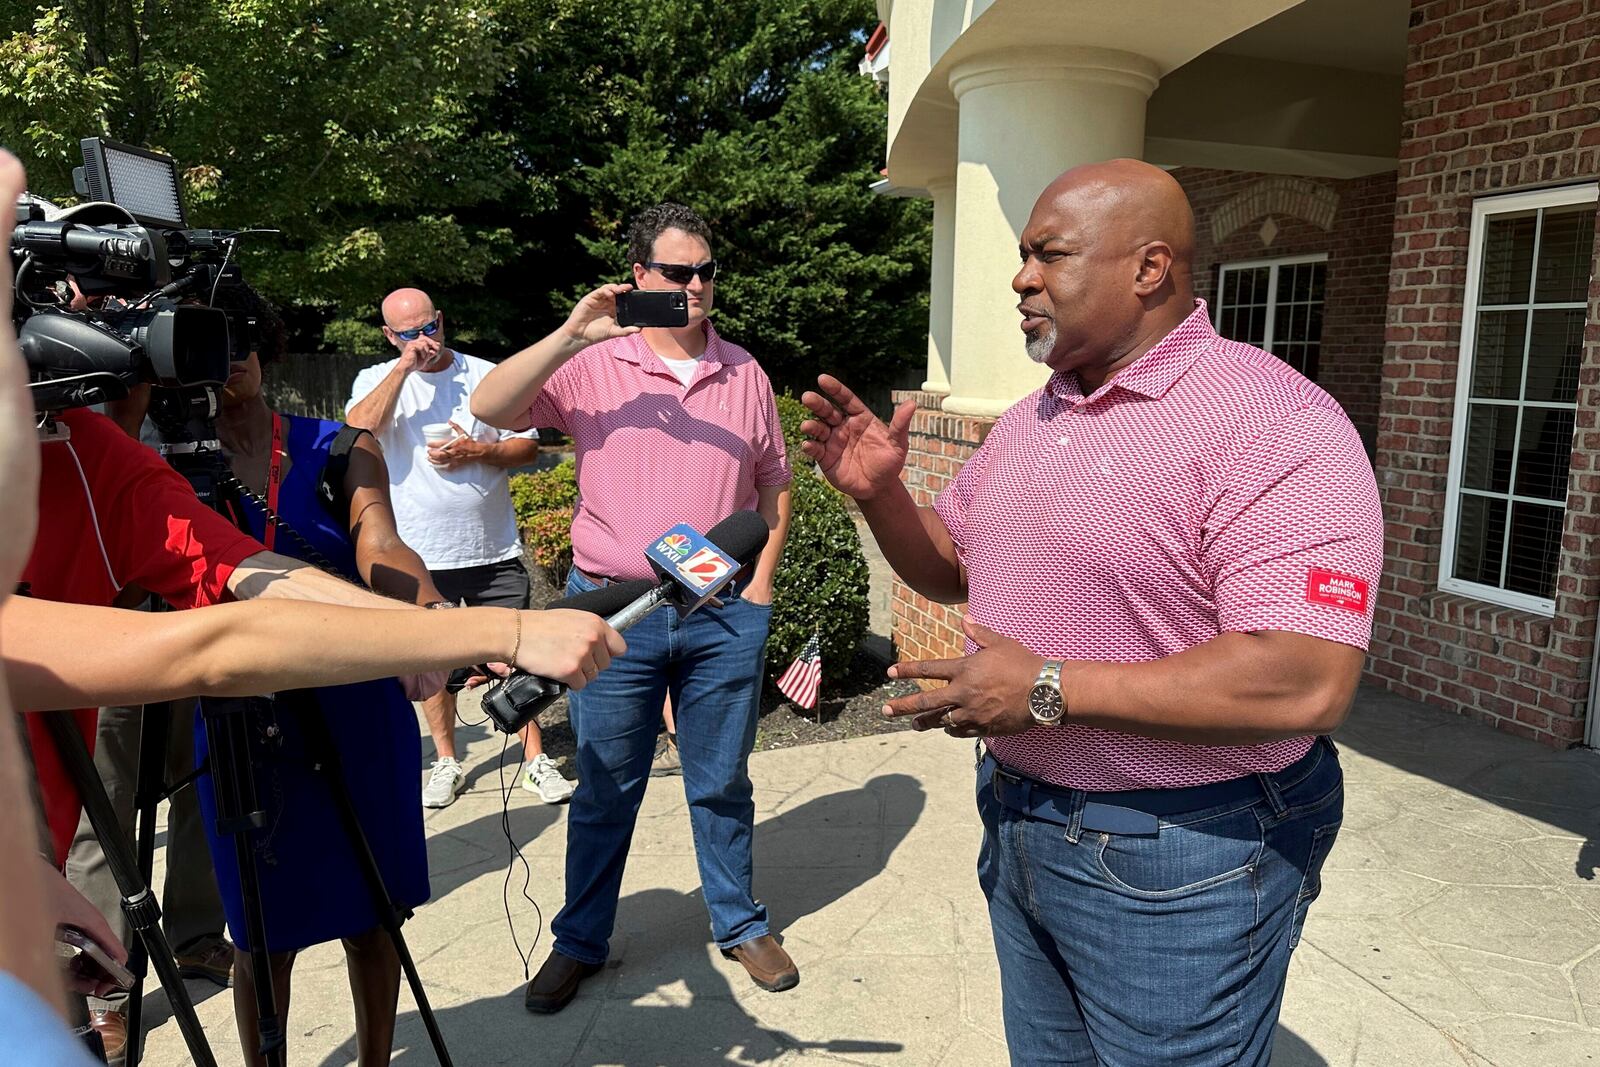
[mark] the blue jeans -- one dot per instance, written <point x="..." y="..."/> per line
<point x="1125" y="950"/>
<point x="712" y="665"/>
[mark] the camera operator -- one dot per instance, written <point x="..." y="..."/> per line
<point x="112" y="515"/>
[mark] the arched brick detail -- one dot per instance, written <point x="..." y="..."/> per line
<point x="1297" y="198"/>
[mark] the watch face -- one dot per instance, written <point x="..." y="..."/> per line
<point x="1044" y="702"/>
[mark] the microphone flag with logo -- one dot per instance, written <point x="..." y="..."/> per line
<point x="802" y="682"/>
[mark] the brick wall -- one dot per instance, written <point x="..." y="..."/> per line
<point x="940" y="444"/>
<point x="1499" y="96"/>
<point x="1241" y="215"/>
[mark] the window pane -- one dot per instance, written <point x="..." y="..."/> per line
<point x="1508" y="258"/>
<point x="1491" y="433"/>
<point x="1497" y="354"/>
<point x="1535" y="549"/>
<point x="1480" y="539"/>
<point x="1308" y="362"/>
<point x="1545" y="454"/>
<point x="1256" y="331"/>
<point x="1566" y="248"/>
<point x="1555" y="352"/>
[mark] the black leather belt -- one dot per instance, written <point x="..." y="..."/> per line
<point x="1132" y="811"/>
<point x="596" y="579"/>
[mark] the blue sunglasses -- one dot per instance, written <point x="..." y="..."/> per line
<point x="421" y="331"/>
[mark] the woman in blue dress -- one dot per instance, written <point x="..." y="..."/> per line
<point x="312" y="890"/>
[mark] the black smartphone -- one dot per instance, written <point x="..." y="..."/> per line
<point x="653" y="307"/>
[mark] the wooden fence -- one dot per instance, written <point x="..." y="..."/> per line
<point x="314" y="384"/>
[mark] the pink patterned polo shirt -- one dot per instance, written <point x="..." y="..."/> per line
<point x="1207" y="488"/>
<point x="652" y="453"/>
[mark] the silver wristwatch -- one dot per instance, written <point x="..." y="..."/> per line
<point x="1045" y="703"/>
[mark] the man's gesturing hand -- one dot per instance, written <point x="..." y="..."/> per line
<point x="568" y="646"/>
<point x="859" y="454"/>
<point x="988" y="690"/>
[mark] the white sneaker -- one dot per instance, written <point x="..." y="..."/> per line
<point x="444" y="783"/>
<point x="541" y="776"/>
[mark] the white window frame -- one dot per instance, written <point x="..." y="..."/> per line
<point x="1272" y="288"/>
<point x="1482" y="208"/>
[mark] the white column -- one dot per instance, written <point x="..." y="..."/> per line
<point x="1026" y="116"/>
<point x="941" y="281"/>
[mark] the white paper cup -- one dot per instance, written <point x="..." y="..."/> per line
<point x="438" y="433"/>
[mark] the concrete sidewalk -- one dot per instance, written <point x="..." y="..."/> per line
<point x="1459" y="923"/>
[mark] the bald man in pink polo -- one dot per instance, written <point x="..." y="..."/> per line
<point x="1169" y="555"/>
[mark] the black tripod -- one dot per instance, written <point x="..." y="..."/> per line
<point x="230" y="725"/>
<point x="144" y="914"/>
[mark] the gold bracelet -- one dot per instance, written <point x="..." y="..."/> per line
<point x="517" y="647"/>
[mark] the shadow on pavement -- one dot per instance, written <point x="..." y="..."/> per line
<point x="1291" y="1050"/>
<point x="1558" y="788"/>
<point x="662" y="1001"/>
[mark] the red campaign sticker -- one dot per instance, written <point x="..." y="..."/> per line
<point x="1336" y="590"/>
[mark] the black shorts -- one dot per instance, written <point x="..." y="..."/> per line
<point x="497" y="585"/>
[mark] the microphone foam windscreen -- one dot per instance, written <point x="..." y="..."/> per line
<point x="607" y="600"/>
<point x="741" y="535"/>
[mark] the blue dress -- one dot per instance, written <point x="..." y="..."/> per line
<point x="311" y="887"/>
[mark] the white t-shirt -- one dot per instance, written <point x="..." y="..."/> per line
<point x="457" y="518"/>
<point x="682" y="369"/>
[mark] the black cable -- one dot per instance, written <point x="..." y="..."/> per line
<point x="312" y="556"/>
<point x="515" y="856"/>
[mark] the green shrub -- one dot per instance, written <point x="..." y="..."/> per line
<point x="548" y="536"/>
<point x="545" y="490"/>
<point x="821" y="584"/>
<point x="791" y="413"/>
<point x="543" y="502"/>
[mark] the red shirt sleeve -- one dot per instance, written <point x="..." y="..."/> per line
<point x="157" y="534"/>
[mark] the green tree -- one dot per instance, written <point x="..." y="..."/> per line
<point x="752" y="112"/>
<point x="353" y="126"/>
<point x="494" y="154"/>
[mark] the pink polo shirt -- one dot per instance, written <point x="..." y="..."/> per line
<point x="652" y="453"/>
<point x="1207" y="488"/>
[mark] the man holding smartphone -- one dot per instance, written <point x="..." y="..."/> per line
<point x="671" y="424"/>
<point x="452" y="502"/>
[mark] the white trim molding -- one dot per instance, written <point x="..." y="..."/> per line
<point x="1483" y="209"/>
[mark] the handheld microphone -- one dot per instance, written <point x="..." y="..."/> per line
<point x="692" y="569"/>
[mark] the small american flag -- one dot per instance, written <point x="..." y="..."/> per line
<point x="803" y="679"/>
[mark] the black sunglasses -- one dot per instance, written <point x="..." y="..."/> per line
<point x="680" y="273"/>
<point x="421" y="331"/>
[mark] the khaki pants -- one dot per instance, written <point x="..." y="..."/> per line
<point x="191" y="909"/>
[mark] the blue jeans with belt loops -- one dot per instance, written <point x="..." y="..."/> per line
<point x="712" y="664"/>
<point x="1172" y="948"/>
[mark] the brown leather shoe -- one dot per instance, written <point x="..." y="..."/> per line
<point x="769" y="965"/>
<point x="210" y="958"/>
<point x="112" y="1026"/>
<point x="557" y="983"/>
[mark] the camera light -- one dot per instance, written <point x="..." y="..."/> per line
<point x="143" y="182"/>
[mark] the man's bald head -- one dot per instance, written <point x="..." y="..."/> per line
<point x="406" y="309"/>
<point x="1130" y="201"/>
<point x="1107" y="259"/>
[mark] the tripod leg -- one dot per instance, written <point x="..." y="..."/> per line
<point x="137" y="900"/>
<point x="233" y="781"/>
<point x="154" y="726"/>
<point x="325" y="757"/>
